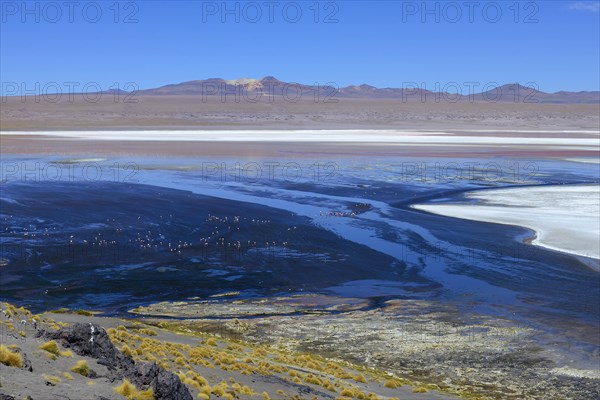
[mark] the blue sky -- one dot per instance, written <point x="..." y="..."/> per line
<point x="554" y="44"/>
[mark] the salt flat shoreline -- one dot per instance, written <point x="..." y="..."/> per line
<point x="574" y="230"/>
<point x="581" y="145"/>
<point x="584" y="138"/>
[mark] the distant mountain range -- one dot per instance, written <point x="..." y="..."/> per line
<point x="263" y="89"/>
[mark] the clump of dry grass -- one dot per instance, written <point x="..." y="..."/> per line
<point x="126" y="350"/>
<point x="51" y="347"/>
<point x="53" y="351"/>
<point x="67" y="353"/>
<point x="419" y="389"/>
<point x="82" y="368"/>
<point x="310" y="378"/>
<point x="205" y="392"/>
<point x="68" y="376"/>
<point x="148" y="332"/>
<point x="128" y="390"/>
<point x="10" y="358"/>
<point x="392" y="384"/>
<point x="51" y="380"/>
<point x="221" y="389"/>
<point x="180" y="361"/>
<point x="329" y="386"/>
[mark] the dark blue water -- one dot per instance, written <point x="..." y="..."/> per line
<point x="168" y="235"/>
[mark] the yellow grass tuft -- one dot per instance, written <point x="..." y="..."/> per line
<point x="392" y="384"/>
<point x="200" y="379"/>
<point x="68" y="376"/>
<point x="310" y="378"/>
<point x="10" y="358"/>
<point x="246" y="390"/>
<point x="126" y="350"/>
<point x="52" y="380"/>
<point x="82" y="368"/>
<point x="128" y="390"/>
<point x="180" y="361"/>
<point x="51" y="347"/>
<point x="419" y="389"/>
<point x="220" y="389"/>
<point x="266" y="396"/>
<point x="207" y="390"/>
<point x="67" y="353"/>
<point x="329" y="386"/>
<point x="148" y="332"/>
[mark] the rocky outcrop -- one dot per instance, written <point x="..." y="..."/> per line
<point x="166" y="385"/>
<point x="87" y="340"/>
<point x="92" y="341"/>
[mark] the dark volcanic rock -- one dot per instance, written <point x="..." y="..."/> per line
<point x="86" y="340"/>
<point x="166" y="384"/>
<point x="92" y="341"/>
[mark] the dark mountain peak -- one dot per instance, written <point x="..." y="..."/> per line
<point x="269" y="79"/>
<point x="516" y="87"/>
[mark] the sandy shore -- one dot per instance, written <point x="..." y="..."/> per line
<point x="565" y="218"/>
